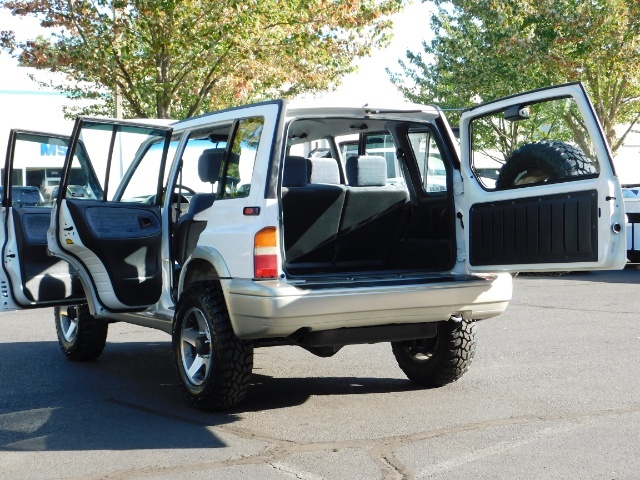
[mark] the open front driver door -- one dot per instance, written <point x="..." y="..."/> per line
<point x="30" y="278"/>
<point x="112" y="235"/>
<point x="540" y="191"/>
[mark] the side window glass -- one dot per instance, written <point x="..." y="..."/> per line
<point x="121" y="163"/>
<point x="138" y="187"/>
<point x="242" y="158"/>
<point x="382" y="145"/>
<point x="202" y="161"/>
<point x="36" y="170"/>
<point x="348" y="149"/>
<point x="430" y="164"/>
<point x="531" y="145"/>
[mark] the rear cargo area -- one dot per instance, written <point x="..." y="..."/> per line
<point x="351" y="216"/>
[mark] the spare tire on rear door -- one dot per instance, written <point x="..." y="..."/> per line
<point x="540" y="162"/>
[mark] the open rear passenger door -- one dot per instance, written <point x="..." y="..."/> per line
<point x="29" y="277"/>
<point x="540" y="191"/>
<point x="112" y="236"/>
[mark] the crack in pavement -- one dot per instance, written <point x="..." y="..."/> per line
<point x="495" y="449"/>
<point x="153" y="411"/>
<point x="294" y="472"/>
<point x="389" y="465"/>
<point x="556" y="307"/>
<point x="383" y="447"/>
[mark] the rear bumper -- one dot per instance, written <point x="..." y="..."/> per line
<point x="278" y="309"/>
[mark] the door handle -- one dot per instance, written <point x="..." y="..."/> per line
<point x="144" y="222"/>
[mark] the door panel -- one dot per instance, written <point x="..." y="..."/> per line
<point x="113" y="235"/>
<point x="44" y="278"/>
<point x="552" y="229"/>
<point x="31" y="173"/>
<point x="540" y="191"/>
<point x="126" y="238"/>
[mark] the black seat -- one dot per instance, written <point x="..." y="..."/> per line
<point x="311" y="216"/>
<point x="189" y="227"/>
<point x="373" y="213"/>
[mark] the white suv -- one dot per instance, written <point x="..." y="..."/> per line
<point x="223" y="231"/>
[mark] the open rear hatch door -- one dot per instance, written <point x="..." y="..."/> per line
<point x="540" y="190"/>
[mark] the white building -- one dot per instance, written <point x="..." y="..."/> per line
<point x="26" y="106"/>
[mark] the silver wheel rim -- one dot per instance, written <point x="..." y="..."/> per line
<point x="194" y="334"/>
<point x="422" y="351"/>
<point x="532" y="175"/>
<point x="68" y="326"/>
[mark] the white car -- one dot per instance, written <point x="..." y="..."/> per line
<point x="273" y="248"/>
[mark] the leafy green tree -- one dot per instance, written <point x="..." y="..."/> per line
<point x="178" y="58"/>
<point x="486" y="49"/>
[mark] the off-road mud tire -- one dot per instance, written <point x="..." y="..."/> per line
<point x="546" y="160"/>
<point x="224" y="382"/>
<point x="438" y="361"/>
<point x="549" y="160"/>
<point x="88" y="339"/>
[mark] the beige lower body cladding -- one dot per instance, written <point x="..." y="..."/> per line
<point x="278" y="309"/>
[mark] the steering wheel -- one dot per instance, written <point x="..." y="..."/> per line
<point x="184" y="187"/>
<point x="151" y="200"/>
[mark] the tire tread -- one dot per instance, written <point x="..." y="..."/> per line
<point x="231" y="374"/>
<point x="91" y="336"/>
<point x="454" y="355"/>
<point x="558" y="159"/>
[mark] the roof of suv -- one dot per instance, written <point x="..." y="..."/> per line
<point x="319" y="108"/>
<point x="297" y="108"/>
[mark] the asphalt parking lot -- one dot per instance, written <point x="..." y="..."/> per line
<point x="554" y="392"/>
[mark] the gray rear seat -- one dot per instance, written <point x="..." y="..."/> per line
<point x="373" y="213"/>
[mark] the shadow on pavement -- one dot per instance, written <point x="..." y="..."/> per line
<point x="272" y="393"/>
<point x="129" y="399"/>
<point x="629" y="275"/>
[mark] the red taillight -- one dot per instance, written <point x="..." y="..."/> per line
<point x="265" y="254"/>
